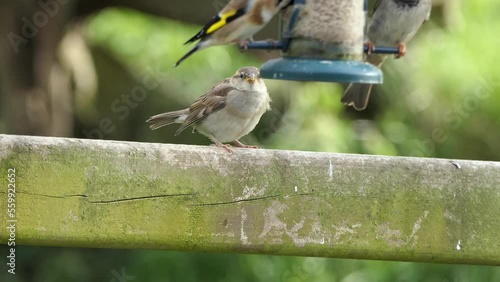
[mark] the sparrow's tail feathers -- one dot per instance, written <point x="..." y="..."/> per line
<point x="195" y="48"/>
<point x="357" y="96"/>
<point x="164" y="119"/>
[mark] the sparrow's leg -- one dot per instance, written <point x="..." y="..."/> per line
<point x="243" y="44"/>
<point x="217" y="143"/>
<point x="401" y="50"/>
<point x="237" y="143"/>
<point x="227" y="147"/>
<point x="371" y="47"/>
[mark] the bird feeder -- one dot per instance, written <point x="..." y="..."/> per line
<point x="322" y="40"/>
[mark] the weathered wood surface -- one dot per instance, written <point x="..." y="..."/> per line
<point x="105" y="194"/>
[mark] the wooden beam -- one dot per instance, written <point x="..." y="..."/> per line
<point x="109" y="194"/>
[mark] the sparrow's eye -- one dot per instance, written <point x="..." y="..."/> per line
<point x="242" y="75"/>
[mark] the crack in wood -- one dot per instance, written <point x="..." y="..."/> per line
<point x="55" y="196"/>
<point x="141" y="198"/>
<point x="237" y="201"/>
<point x="108" y="201"/>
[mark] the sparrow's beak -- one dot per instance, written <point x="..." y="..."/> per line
<point x="251" y="78"/>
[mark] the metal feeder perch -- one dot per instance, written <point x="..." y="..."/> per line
<point x="322" y="40"/>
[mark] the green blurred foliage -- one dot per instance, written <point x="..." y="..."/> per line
<point x="441" y="100"/>
<point x="47" y="264"/>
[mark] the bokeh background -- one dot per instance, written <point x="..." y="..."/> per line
<point x="77" y="69"/>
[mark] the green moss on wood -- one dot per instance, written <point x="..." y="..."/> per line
<point x="84" y="193"/>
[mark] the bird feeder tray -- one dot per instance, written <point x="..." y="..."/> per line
<point x="310" y="69"/>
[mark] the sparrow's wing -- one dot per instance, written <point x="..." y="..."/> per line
<point x="210" y="102"/>
<point x="233" y="10"/>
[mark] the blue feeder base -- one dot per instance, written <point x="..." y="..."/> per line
<point x="289" y="68"/>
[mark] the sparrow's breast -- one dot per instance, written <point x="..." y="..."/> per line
<point x="248" y="103"/>
<point x="239" y="117"/>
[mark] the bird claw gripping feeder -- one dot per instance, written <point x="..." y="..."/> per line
<point x="322" y="40"/>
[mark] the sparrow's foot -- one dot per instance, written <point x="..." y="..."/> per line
<point x="401" y="51"/>
<point x="227" y="147"/>
<point x="237" y="143"/>
<point x="371" y="47"/>
<point x="243" y="44"/>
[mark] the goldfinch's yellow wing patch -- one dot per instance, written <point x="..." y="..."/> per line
<point x="222" y="21"/>
<point x="216" y="23"/>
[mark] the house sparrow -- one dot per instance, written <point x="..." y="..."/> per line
<point x="227" y="112"/>
<point x="393" y="23"/>
<point x="238" y="21"/>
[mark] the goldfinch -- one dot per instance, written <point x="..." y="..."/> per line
<point x="227" y="112"/>
<point x="393" y="23"/>
<point x="238" y="21"/>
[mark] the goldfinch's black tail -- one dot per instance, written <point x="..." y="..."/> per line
<point x="204" y="31"/>
<point x="195" y="48"/>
